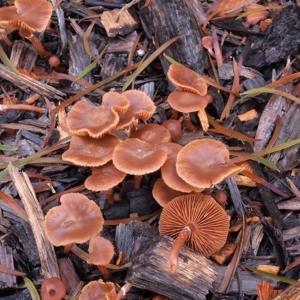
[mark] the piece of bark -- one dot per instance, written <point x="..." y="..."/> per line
<point x="253" y="240"/>
<point x="79" y="60"/>
<point x="118" y="21"/>
<point x="49" y="267"/>
<point x="291" y="233"/>
<point x="249" y="282"/>
<point x="6" y="259"/>
<point x="163" y="20"/>
<point x="68" y="274"/>
<point x="28" y="84"/>
<point x="23" y="55"/>
<point x="23" y="295"/>
<point x="112" y="64"/>
<point x="192" y="280"/>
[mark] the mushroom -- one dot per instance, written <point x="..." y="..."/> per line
<point x="203" y="163"/>
<point x="221" y="197"/>
<point x="98" y="290"/>
<point x="197" y="221"/>
<point x="71" y="221"/>
<point x="207" y="43"/>
<point x="174" y="127"/>
<point x="136" y="157"/>
<point x="27" y="17"/>
<point x="86" y="119"/>
<point x="53" y="289"/>
<point x="104" y="178"/>
<point x="163" y="194"/>
<point x="89" y="152"/>
<point x="169" y="147"/>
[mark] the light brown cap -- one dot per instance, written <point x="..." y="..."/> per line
<point x="141" y="107"/>
<point x="28" y="15"/>
<point x="53" y="288"/>
<point x="207" y="217"/>
<point x="171" y="178"/>
<point x="186" y="102"/>
<point x="207" y="42"/>
<point x="76" y="220"/>
<point x="203" y="163"/>
<point x="104" y="178"/>
<point x="163" y="194"/>
<point x="98" y="290"/>
<point x="174" y="127"/>
<point x="89" y="152"/>
<point x="151" y="133"/>
<point x="169" y="147"/>
<point x="184" y="79"/>
<point x="136" y="157"/>
<point x="101" y="251"/>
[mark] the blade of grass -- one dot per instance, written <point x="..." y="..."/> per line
<point x="8" y="148"/>
<point x="254" y="10"/>
<point x="7" y="62"/>
<point x="31" y="288"/>
<point x="9" y="271"/>
<point x="155" y="54"/>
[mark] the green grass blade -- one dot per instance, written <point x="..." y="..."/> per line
<point x="32" y="289"/>
<point x="6" y="61"/>
<point x="8" y="148"/>
<point x="144" y="65"/>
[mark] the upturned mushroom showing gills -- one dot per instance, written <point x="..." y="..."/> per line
<point x="53" y="289"/>
<point x="197" y="221"/>
<point x="203" y="163"/>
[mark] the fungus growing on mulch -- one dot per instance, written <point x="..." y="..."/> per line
<point x="203" y="163"/>
<point x="98" y="290"/>
<point x="197" y="221"/>
<point x="174" y="127"/>
<point x="53" y="289"/>
<point x="71" y="221"/>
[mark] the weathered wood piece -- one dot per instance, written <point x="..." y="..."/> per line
<point x="23" y="295"/>
<point x="163" y="20"/>
<point x="23" y="55"/>
<point x="6" y="259"/>
<point x="49" y="267"/>
<point x="68" y="274"/>
<point x="192" y="280"/>
<point x="118" y="22"/>
<point x="291" y="233"/>
<point x="28" y="84"/>
<point x="253" y="239"/>
<point x="280" y="40"/>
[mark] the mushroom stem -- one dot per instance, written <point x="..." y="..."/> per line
<point x="137" y="181"/>
<point x="68" y="248"/>
<point x="175" y="114"/>
<point x="105" y="272"/>
<point x="178" y="243"/>
<point x="188" y="122"/>
<point x="109" y="194"/>
<point x="38" y="46"/>
<point x="125" y="288"/>
<point x="80" y="253"/>
<point x="203" y="119"/>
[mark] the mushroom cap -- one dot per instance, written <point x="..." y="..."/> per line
<point x="186" y="102"/>
<point x="89" y="152"/>
<point x="136" y="157"/>
<point x="141" y="107"/>
<point x="203" y="163"/>
<point x="101" y="251"/>
<point x="152" y="133"/>
<point x="98" y="290"/>
<point x="171" y="178"/>
<point x="104" y="178"/>
<point x="207" y="42"/>
<point x="174" y="127"/>
<point x="184" y="79"/>
<point x="29" y="15"/>
<point x="169" y="147"/>
<point x="86" y="119"/>
<point x="76" y="220"/>
<point x="53" y="288"/>
<point x="208" y="217"/>
<point x="163" y="194"/>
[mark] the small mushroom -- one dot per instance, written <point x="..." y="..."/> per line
<point x="197" y="221"/>
<point x="53" y="289"/>
<point x="203" y="163"/>
<point x="174" y="127"/>
<point x="98" y="290"/>
<point x="71" y="221"/>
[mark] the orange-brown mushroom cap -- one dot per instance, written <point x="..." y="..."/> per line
<point x="186" y="102"/>
<point x="174" y="127"/>
<point x="184" y="79"/>
<point x="98" y="290"/>
<point x="136" y="157"/>
<point x="152" y="133"/>
<point x="201" y="212"/>
<point x="89" y="152"/>
<point x="104" y="178"/>
<point x="101" y="251"/>
<point x="53" y="288"/>
<point x="29" y="15"/>
<point x="76" y="220"/>
<point x="203" y="163"/>
<point x="169" y="147"/>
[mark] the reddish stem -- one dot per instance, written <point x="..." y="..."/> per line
<point x="188" y="122"/>
<point x="109" y="194"/>
<point x="105" y="272"/>
<point x="182" y="237"/>
<point x="22" y="107"/>
<point x="137" y="181"/>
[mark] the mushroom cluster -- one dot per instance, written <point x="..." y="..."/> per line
<point x="190" y="96"/>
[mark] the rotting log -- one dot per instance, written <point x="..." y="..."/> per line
<point x="163" y="20"/>
<point x="192" y="280"/>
